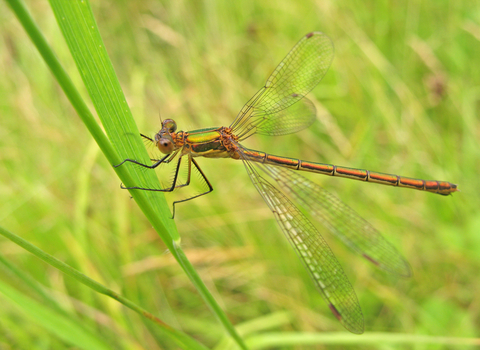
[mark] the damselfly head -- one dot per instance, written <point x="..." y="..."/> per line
<point x="163" y="139"/>
<point x="164" y="142"/>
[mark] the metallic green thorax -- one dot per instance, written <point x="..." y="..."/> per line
<point x="206" y="143"/>
<point x="202" y="135"/>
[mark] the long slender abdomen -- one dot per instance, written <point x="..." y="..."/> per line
<point x="440" y="187"/>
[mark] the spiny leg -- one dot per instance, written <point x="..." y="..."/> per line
<point x="167" y="159"/>
<point x="175" y="178"/>
<point x="210" y="188"/>
<point x="189" y="172"/>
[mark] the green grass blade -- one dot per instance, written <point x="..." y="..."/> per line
<point x="269" y="340"/>
<point x="81" y="33"/>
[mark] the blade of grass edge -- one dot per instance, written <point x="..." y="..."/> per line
<point x="81" y="33"/>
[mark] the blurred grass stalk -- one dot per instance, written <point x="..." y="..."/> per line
<point x="80" y="30"/>
<point x="58" y="314"/>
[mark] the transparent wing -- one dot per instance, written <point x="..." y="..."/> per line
<point x="341" y="220"/>
<point x="299" y="72"/>
<point x="298" y="117"/>
<point x="315" y="253"/>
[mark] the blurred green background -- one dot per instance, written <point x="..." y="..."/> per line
<point x="402" y="96"/>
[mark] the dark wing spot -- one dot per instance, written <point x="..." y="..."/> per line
<point x="335" y="312"/>
<point x="370" y="259"/>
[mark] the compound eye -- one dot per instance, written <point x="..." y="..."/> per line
<point x="165" y="145"/>
<point x="170" y="125"/>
